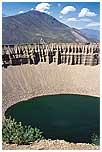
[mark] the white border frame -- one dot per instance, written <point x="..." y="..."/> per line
<point x="100" y="68"/>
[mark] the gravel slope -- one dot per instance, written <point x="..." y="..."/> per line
<point x="26" y="81"/>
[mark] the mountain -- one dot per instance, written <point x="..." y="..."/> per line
<point x="92" y="34"/>
<point x="29" y="27"/>
<point x="3" y="15"/>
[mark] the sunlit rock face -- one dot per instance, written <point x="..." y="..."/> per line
<point x="27" y="81"/>
<point x="59" y="53"/>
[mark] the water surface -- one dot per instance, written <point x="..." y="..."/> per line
<point x="70" y="117"/>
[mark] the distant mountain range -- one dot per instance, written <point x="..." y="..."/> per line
<point x="3" y="15"/>
<point x="29" y="27"/>
<point x="92" y="34"/>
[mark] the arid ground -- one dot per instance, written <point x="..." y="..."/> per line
<point x="27" y="81"/>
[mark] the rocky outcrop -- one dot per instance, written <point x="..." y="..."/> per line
<point x="60" y="53"/>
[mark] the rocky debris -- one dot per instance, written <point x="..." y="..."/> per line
<point x="28" y="81"/>
<point x="51" y="145"/>
<point x="24" y="82"/>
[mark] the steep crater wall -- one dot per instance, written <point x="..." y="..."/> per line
<point x="27" y="81"/>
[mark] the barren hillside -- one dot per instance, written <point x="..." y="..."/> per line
<point x="26" y="81"/>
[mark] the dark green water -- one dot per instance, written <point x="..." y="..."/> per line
<point x="70" y="117"/>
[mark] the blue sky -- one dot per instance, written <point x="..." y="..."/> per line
<point x="74" y="14"/>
